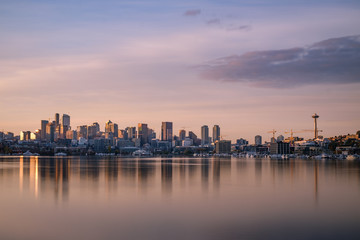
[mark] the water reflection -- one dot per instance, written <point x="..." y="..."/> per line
<point x="42" y="176"/>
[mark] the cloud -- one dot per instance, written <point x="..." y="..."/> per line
<point x="213" y="21"/>
<point x="332" y="61"/>
<point x="192" y="12"/>
<point x="239" y="28"/>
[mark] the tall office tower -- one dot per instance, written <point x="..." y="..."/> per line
<point x="111" y="127"/>
<point x="151" y="135"/>
<point x="25" y="135"/>
<point x="216" y="133"/>
<point x="82" y="131"/>
<point x="143" y="133"/>
<point x="66" y="120"/>
<point x="43" y="129"/>
<point x="91" y="131"/>
<point x="182" y="135"/>
<point x="131" y="132"/>
<point x="97" y="126"/>
<point x="50" y="131"/>
<point x="204" y="135"/>
<point x="258" y="140"/>
<point x="167" y="131"/>
<point x="57" y="118"/>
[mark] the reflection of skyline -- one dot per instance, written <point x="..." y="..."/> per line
<point x="56" y="176"/>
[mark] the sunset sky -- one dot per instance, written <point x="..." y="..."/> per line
<point x="248" y="66"/>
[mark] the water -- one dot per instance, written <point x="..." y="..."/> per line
<point x="178" y="198"/>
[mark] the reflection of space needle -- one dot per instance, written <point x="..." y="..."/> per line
<point x="316" y="192"/>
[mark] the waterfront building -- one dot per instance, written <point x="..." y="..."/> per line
<point x="222" y="146"/>
<point x="216" y="133"/>
<point x="187" y="142"/>
<point x="167" y="131"/>
<point x="279" y="148"/>
<point x="204" y="135"/>
<point x="258" y="140"/>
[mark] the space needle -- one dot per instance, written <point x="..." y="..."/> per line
<point x="315" y="117"/>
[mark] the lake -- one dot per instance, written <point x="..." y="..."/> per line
<point x="178" y="198"/>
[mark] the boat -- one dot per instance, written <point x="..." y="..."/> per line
<point x="352" y="157"/>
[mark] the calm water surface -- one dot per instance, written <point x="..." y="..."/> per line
<point x="178" y="198"/>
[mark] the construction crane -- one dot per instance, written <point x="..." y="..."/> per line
<point x="316" y="131"/>
<point x="292" y="135"/>
<point x="222" y="137"/>
<point x="273" y="132"/>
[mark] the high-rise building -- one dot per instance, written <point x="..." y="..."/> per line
<point x="92" y="131"/>
<point x="81" y="131"/>
<point x="71" y="134"/>
<point x="258" y="140"/>
<point x="216" y="133"/>
<point x="66" y="120"/>
<point x="182" y="135"/>
<point x="167" y="131"/>
<point x="65" y="125"/>
<point x="205" y="135"/>
<point x="195" y="139"/>
<point x="50" y="131"/>
<point x="57" y="119"/>
<point x="111" y="127"/>
<point x="96" y="124"/>
<point x="151" y="134"/>
<point x="43" y="129"/>
<point x="143" y="133"/>
<point x="131" y="132"/>
<point x="25" y="135"/>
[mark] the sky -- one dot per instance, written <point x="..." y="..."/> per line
<point x="248" y="66"/>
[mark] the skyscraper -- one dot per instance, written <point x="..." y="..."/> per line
<point x="65" y="125"/>
<point x="258" y="140"/>
<point x="204" y="135"/>
<point x="50" y="131"/>
<point x="182" y="135"/>
<point x="43" y="129"/>
<point x="66" y="120"/>
<point x="216" y="133"/>
<point x="143" y="133"/>
<point x="111" y="127"/>
<point x="167" y="131"/>
<point x="82" y="131"/>
<point x="57" y="118"/>
<point x="131" y="132"/>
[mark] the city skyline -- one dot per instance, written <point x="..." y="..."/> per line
<point x="125" y="61"/>
<point x="109" y="126"/>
